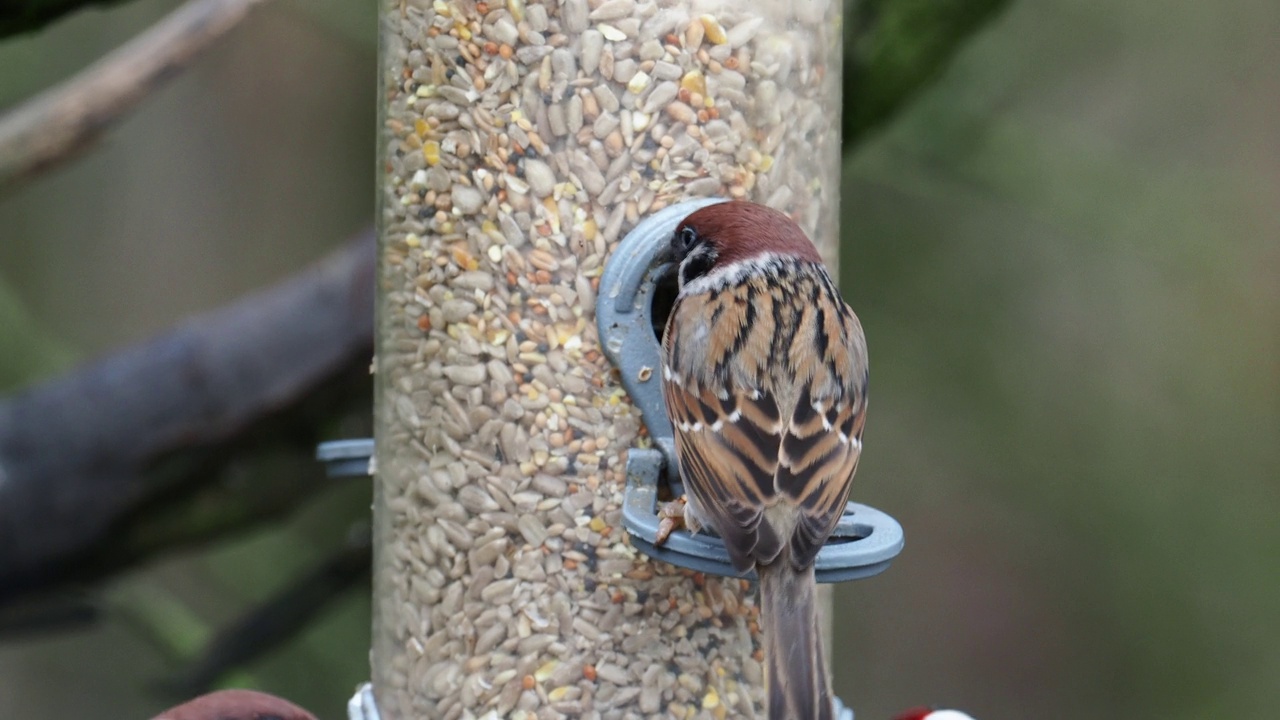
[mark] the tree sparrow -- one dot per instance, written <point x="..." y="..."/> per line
<point x="765" y="378"/>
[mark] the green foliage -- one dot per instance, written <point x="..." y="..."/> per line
<point x="1066" y="273"/>
<point x="895" y="48"/>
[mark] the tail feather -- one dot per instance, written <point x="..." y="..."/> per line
<point x="797" y="685"/>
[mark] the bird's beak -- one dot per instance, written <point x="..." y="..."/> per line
<point x="664" y="263"/>
<point x="665" y="256"/>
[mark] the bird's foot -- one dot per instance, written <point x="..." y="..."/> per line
<point x="675" y="515"/>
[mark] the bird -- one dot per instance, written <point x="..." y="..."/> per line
<point x="764" y="374"/>
<point x="924" y="713"/>
<point x="236" y="705"/>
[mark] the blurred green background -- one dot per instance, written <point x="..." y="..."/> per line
<point x="1064" y="254"/>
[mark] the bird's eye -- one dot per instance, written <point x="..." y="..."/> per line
<point x="688" y="238"/>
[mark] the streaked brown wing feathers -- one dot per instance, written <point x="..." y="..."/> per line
<point x="823" y="438"/>
<point x="816" y="470"/>
<point x="724" y="448"/>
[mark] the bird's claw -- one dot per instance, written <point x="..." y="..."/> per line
<point x="672" y="516"/>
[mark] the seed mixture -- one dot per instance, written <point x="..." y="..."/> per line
<point x="521" y="141"/>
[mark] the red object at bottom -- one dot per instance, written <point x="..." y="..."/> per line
<point x="236" y="705"/>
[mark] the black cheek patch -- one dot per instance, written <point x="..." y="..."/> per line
<point x="695" y="266"/>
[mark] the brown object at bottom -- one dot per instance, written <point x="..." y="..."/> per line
<point x="236" y="705"/>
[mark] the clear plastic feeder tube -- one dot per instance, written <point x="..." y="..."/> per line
<point x="520" y="141"/>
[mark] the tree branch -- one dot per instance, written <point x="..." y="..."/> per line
<point x="278" y="619"/>
<point x="59" y="121"/>
<point x="208" y="428"/>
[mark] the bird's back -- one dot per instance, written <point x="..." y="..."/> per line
<point x="778" y="360"/>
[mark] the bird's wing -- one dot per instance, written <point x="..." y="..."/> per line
<point x="822" y="440"/>
<point x="730" y="361"/>
<point x="727" y="448"/>
<point x="820" y="450"/>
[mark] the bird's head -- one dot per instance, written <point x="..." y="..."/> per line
<point x="720" y="243"/>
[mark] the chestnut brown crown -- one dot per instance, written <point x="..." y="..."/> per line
<point x="720" y="235"/>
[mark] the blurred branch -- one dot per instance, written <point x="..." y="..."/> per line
<point x="48" y="613"/>
<point x="185" y="437"/>
<point x="893" y="49"/>
<point x="280" y="618"/>
<point x="63" y="119"/>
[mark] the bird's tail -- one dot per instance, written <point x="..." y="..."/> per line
<point x="796" y="684"/>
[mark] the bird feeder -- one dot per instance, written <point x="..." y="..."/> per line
<point x="521" y="143"/>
